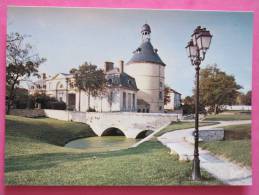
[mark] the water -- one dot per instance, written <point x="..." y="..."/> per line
<point x="102" y="144"/>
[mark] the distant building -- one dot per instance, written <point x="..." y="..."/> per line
<point x="175" y="101"/>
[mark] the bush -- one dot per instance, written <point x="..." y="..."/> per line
<point x="56" y="105"/>
<point x="91" y="110"/>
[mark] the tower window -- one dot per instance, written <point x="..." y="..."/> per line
<point x="161" y="84"/>
<point x="160" y="95"/>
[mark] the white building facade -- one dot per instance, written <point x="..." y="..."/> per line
<point x="175" y="101"/>
<point x="120" y="95"/>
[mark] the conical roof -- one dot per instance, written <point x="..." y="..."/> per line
<point x="146" y="53"/>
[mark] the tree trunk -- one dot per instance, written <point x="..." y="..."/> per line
<point x="89" y="97"/>
<point x="79" y="105"/>
<point x="10" y="98"/>
<point x="216" y="109"/>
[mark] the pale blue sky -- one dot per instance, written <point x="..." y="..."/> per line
<point x="67" y="37"/>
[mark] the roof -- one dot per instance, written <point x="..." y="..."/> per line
<point x="146" y="27"/>
<point x="172" y="90"/>
<point x="121" y="80"/>
<point x="142" y="102"/>
<point x="146" y="53"/>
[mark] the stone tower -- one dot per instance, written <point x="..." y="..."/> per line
<point x="148" y="70"/>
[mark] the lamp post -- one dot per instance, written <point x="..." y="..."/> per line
<point x="196" y="50"/>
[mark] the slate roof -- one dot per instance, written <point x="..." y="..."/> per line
<point x="146" y="53"/>
<point x="121" y="80"/>
<point x="142" y="102"/>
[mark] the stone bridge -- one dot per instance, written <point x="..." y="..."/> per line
<point x="130" y="124"/>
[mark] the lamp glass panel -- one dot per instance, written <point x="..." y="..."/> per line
<point x="188" y="51"/>
<point x="194" y="38"/>
<point x="193" y="51"/>
<point x="206" y="42"/>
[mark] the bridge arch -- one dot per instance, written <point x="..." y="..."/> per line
<point x="112" y="131"/>
<point x="144" y="134"/>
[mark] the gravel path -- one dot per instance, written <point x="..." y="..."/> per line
<point x="226" y="171"/>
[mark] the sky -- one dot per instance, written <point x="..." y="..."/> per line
<point x="68" y="37"/>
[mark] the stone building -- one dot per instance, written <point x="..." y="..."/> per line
<point x="175" y="101"/>
<point x="149" y="71"/>
<point x="121" y="93"/>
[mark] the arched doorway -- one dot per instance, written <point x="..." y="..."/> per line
<point x="113" y="131"/>
<point x="144" y="134"/>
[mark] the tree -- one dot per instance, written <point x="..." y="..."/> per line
<point x="21" y="62"/>
<point x="217" y="88"/>
<point x="244" y="99"/>
<point x="89" y="79"/>
<point x="167" y="96"/>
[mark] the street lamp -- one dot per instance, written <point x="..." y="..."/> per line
<point x="196" y="50"/>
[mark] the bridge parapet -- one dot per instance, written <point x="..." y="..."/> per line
<point x="130" y="123"/>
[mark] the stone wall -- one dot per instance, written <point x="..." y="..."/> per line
<point x="207" y="135"/>
<point x="31" y="113"/>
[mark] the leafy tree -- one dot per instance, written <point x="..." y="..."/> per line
<point x="21" y="62"/>
<point x="244" y="99"/>
<point x="90" y="79"/>
<point x="217" y="88"/>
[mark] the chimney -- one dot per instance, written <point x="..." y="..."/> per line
<point x="121" y="62"/>
<point x="108" y="66"/>
<point x="44" y="76"/>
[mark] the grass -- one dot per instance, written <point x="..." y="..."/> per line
<point x="182" y="125"/>
<point x="35" y="156"/>
<point x="229" y="116"/>
<point x="236" y="145"/>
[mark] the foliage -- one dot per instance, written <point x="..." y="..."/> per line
<point x="90" y="79"/>
<point x="35" y="156"/>
<point x="217" y="88"/>
<point x="21" y="62"/>
<point x="244" y="99"/>
<point x="21" y="100"/>
<point x="188" y="106"/>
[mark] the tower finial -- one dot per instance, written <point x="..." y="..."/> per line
<point x="145" y="31"/>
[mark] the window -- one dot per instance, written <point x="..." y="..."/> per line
<point x="133" y="101"/>
<point x="161" y="84"/>
<point x="160" y="108"/>
<point x="124" y="101"/>
<point x="129" y="101"/>
<point x="160" y="95"/>
<point x="61" y="99"/>
<point x="61" y="86"/>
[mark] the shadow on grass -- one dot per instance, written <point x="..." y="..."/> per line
<point x="48" y="160"/>
<point x="47" y="130"/>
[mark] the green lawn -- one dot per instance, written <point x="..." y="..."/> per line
<point x="229" y="116"/>
<point x="236" y="145"/>
<point x="182" y="125"/>
<point x="35" y="156"/>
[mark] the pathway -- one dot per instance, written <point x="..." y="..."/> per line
<point x="226" y="171"/>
